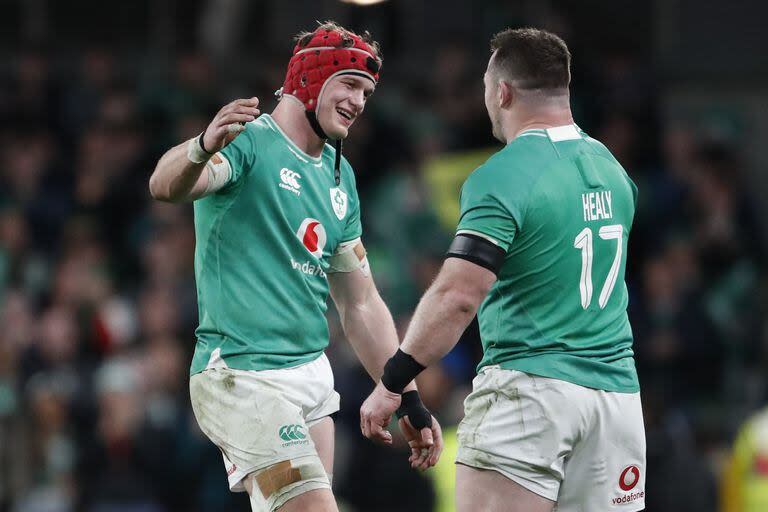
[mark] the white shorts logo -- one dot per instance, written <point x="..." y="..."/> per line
<point x="312" y="235"/>
<point x="290" y="180"/>
<point x="339" y="202"/>
<point x="628" y="480"/>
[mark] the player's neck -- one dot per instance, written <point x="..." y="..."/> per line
<point x="539" y="120"/>
<point x="290" y="117"/>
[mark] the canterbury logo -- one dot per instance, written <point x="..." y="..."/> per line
<point x="290" y="178"/>
<point x="292" y="433"/>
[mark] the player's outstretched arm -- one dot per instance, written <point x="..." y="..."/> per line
<point x="370" y="330"/>
<point x="442" y="315"/>
<point x="179" y="175"/>
<point x="365" y="318"/>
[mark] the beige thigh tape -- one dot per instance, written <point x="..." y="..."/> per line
<point x="276" y="477"/>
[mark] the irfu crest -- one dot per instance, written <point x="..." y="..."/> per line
<point x="339" y="202"/>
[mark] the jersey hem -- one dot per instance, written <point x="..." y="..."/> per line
<point x="533" y="366"/>
<point x="245" y="362"/>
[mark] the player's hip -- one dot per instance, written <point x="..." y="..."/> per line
<point x="526" y="427"/>
<point x="259" y="418"/>
<point x="303" y="385"/>
<point x="556" y="403"/>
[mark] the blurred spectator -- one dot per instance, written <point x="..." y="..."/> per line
<point x="115" y="459"/>
<point x="745" y="480"/>
<point x="51" y="447"/>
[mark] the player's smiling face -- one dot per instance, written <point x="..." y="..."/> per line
<point x="342" y="101"/>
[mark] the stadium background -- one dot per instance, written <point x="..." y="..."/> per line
<point x="96" y="286"/>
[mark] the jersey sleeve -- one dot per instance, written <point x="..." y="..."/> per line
<point x="484" y="213"/>
<point x="353" y="228"/>
<point x="240" y="154"/>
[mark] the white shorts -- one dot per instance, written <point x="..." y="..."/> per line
<point x="261" y="418"/>
<point x="583" y="448"/>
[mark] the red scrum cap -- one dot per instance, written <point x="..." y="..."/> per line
<point x="322" y="55"/>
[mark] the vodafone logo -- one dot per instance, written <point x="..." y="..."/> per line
<point x="312" y="235"/>
<point x="629" y="478"/>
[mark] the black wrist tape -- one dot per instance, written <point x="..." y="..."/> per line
<point x="399" y="371"/>
<point x="411" y="406"/>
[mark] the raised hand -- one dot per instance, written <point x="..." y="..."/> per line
<point x="229" y="122"/>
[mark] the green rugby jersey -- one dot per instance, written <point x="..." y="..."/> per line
<point x="263" y="241"/>
<point x="561" y="207"/>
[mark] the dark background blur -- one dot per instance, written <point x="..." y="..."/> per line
<point x="97" y="296"/>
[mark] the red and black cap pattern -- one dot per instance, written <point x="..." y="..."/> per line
<point x="322" y="55"/>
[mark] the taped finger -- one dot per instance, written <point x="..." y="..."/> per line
<point x="235" y="127"/>
<point x="379" y="433"/>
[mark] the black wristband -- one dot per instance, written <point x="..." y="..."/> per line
<point x="200" y="142"/>
<point x="399" y="371"/>
<point x="411" y="406"/>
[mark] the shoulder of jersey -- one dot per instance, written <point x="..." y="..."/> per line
<point x="502" y="161"/>
<point x="260" y="129"/>
<point x="505" y="169"/>
<point x="260" y="123"/>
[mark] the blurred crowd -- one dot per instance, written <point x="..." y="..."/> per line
<point x="97" y="294"/>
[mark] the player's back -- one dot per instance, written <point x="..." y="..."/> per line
<point x="558" y="308"/>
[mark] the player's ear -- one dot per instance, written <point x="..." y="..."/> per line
<point x="506" y="94"/>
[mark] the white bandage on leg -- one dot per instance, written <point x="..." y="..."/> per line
<point x="349" y="256"/>
<point x="276" y="484"/>
<point x="195" y="152"/>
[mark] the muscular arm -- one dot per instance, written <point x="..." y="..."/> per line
<point x="446" y="309"/>
<point x="442" y="315"/>
<point x="176" y="179"/>
<point x="366" y="320"/>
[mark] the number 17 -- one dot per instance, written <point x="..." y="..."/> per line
<point x="583" y="241"/>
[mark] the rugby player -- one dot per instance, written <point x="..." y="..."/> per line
<point x="554" y="418"/>
<point x="277" y="224"/>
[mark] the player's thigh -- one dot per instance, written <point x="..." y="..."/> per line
<point x="322" y="434"/>
<point x="607" y="467"/>
<point x="315" y="500"/>
<point x="490" y="491"/>
<point x="521" y="426"/>
<point x="260" y="428"/>
<point x="273" y="487"/>
<point x="318" y="500"/>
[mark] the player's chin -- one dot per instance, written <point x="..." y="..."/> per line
<point x="338" y="131"/>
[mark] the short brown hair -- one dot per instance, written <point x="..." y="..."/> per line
<point x="534" y="58"/>
<point x="304" y="37"/>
